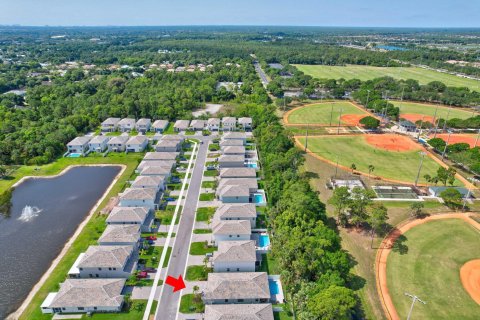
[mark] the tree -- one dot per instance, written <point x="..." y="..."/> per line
<point x="332" y="303"/>
<point x="377" y="219"/>
<point x="353" y="167"/>
<point x="340" y="200"/>
<point x="416" y="209"/>
<point x="452" y="198"/>
<point x="360" y="200"/>
<point x="370" y="122"/>
<point x="437" y="144"/>
<point x="370" y="169"/>
<point x="3" y="171"/>
<point x="446" y="175"/>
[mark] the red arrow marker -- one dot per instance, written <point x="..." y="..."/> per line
<point x="177" y="284"/>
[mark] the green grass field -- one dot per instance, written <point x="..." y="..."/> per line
<point x="430" y="269"/>
<point x="429" y="110"/>
<point x="354" y="149"/>
<point x="321" y="113"/>
<point x="363" y="73"/>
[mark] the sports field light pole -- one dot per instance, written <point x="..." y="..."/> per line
<point x="435" y="118"/>
<point x="420" y="131"/>
<point x="420" y="167"/>
<point x="331" y="114"/>
<point x="414" y="299"/>
<point x="476" y="140"/>
<point x="306" y="139"/>
<point x="466" y="198"/>
<point x="448" y="117"/>
<point x="446" y="145"/>
<point x="339" y="118"/>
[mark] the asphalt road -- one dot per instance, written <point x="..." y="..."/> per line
<point x="168" y="305"/>
<point x="261" y="73"/>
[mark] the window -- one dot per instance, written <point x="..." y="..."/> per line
<point x="230" y="236"/>
<point x="80" y="308"/>
<point x="238" y="269"/>
<point x="226" y="300"/>
<point x="240" y="300"/>
<point x="94" y="308"/>
<point x="100" y="269"/>
<point x="238" y="236"/>
<point x="228" y="269"/>
<point x="114" y="268"/>
<point x="110" y="269"/>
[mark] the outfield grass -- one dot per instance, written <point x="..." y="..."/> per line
<point x="401" y="166"/>
<point x="429" y="110"/>
<point x="321" y="113"/>
<point x="92" y="230"/>
<point x="430" y="269"/>
<point x="363" y="73"/>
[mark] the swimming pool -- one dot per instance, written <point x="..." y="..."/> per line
<point x="258" y="198"/>
<point x="263" y="240"/>
<point x="74" y="155"/>
<point x="273" y="286"/>
<point x="252" y="165"/>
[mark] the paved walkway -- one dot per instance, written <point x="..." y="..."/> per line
<point x="142" y="293"/>
<point x="169" y="302"/>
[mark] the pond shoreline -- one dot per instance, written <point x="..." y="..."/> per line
<point x="16" y="314"/>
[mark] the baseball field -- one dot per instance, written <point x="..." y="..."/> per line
<point x="326" y="114"/>
<point x="427" y="261"/>
<point x="423" y="76"/>
<point x="394" y="157"/>
<point x="416" y="111"/>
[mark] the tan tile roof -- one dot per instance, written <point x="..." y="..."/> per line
<point x="245" y="120"/>
<point x="238" y="173"/>
<point x="99" y="139"/>
<point x="235" y="135"/>
<point x="235" y="251"/>
<point x="137" y="140"/>
<point x="89" y="293"/>
<point x="143" y="122"/>
<point x="147" y="181"/>
<point x="233" y="149"/>
<point x="153" y="170"/>
<point x="176" y="137"/>
<point x="106" y="257"/>
<point x="214" y="121"/>
<point x="118" y="140"/>
<point x="161" y="156"/>
<point x="251" y="183"/>
<point x="181" y="124"/>
<point x="121" y="233"/>
<point x="160" y="124"/>
<point x="236" y="210"/>
<point x="138" y="194"/>
<point x="233" y="191"/>
<point x="231" y="142"/>
<point x="262" y="311"/>
<point x="79" y="141"/>
<point x="237" y="285"/>
<point x="167" y="143"/>
<point x="110" y="121"/>
<point x="231" y="158"/>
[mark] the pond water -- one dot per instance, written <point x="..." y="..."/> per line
<point x="45" y="213"/>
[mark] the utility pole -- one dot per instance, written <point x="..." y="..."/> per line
<point x="420" y="167"/>
<point x="466" y="198"/>
<point x="420" y="131"/>
<point x="435" y="116"/>
<point x="331" y="114"/>
<point x="368" y="97"/>
<point x="306" y="139"/>
<point x="414" y="299"/>
<point x="448" y="116"/>
<point x="446" y="145"/>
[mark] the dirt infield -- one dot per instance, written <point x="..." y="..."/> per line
<point x="414" y="117"/>
<point x="458" y="138"/>
<point x="470" y="276"/>
<point x="352" y="119"/>
<point x="386" y="248"/>
<point x="391" y="142"/>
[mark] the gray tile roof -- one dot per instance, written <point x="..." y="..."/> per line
<point x="231" y="158"/>
<point x="238" y="173"/>
<point x="99" y="139"/>
<point x="89" y="293"/>
<point x="245" y="120"/>
<point x="229" y="120"/>
<point x="110" y="121"/>
<point x="138" y="194"/>
<point x="235" y="251"/>
<point x="106" y="257"/>
<point x="157" y="163"/>
<point x="198" y="124"/>
<point x="161" y="155"/>
<point x="236" y="210"/>
<point x="176" y="137"/>
<point x="233" y="149"/>
<point x="181" y="124"/>
<point x="213" y="121"/>
<point x="235" y="135"/>
<point x="231" y="142"/>
<point x="160" y="124"/>
<point x="251" y="183"/>
<point x="233" y="191"/>
<point x="261" y="311"/>
<point x="79" y="141"/>
<point x="118" y="140"/>
<point x="120" y="233"/>
<point x="137" y="140"/>
<point x="128" y="214"/>
<point x="227" y="227"/>
<point x="148" y="181"/>
<point x="168" y="143"/>
<point x="143" y="122"/>
<point x="155" y="171"/>
<point x="237" y="285"/>
<point x="127" y="121"/>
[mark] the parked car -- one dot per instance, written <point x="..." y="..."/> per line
<point x="151" y="238"/>
<point x="150" y="270"/>
<point x="170" y="199"/>
<point x="142" y="275"/>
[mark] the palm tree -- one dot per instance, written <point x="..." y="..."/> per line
<point x="353" y="167"/>
<point x="370" y="169"/>
<point x="195" y="289"/>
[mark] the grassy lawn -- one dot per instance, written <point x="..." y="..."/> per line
<point x="202" y="231"/>
<point x="429" y="110"/>
<point x="363" y="73"/>
<point x="200" y="249"/>
<point x="136" y="310"/>
<point x="209" y="184"/>
<point x="93" y="228"/>
<point x="207" y="196"/>
<point x="191" y="303"/>
<point x="282" y="315"/>
<point x="170" y="129"/>
<point x="429" y="268"/>
<point x="354" y="149"/>
<point x="197" y="273"/>
<point x="320" y="113"/>
<point x="204" y="214"/>
<point x="210" y="173"/>
<point x="214" y="147"/>
<point x="261" y="221"/>
<point x="269" y="264"/>
<point x="166" y="215"/>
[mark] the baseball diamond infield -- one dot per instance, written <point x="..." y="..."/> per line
<point x="419" y="264"/>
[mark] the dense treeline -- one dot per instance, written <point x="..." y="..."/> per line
<point x="315" y="268"/>
<point x="58" y="113"/>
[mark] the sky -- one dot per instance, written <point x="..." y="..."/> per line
<point x="354" y="13"/>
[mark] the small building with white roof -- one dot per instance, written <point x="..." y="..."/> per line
<point x="181" y="125"/>
<point x="258" y="311"/>
<point x="237" y="211"/>
<point x="238" y="173"/>
<point x="231" y="161"/>
<point x="246" y="123"/>
<point x="234" y="194"/>
<point x="213" y="124"/>
<point x="149" y="182"/>
<point x="165" y="145"/>
<point x="233" y="150"/>
<point x="198" y="125"/>
<point x="117" y="235"/>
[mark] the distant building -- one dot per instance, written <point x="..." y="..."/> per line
<point x="143" y="125"/>
<point x="79" y="145"/>
<point x="181" y="125"/>
<point x="98" y="144"/>
<point x="117" y="144"/>
<point x="160" y="126"/>
<point x="407" y="126"/>
<point x="126" y="124"/>
<point x="110" y="125"/>
<point x="137" y="144"/>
